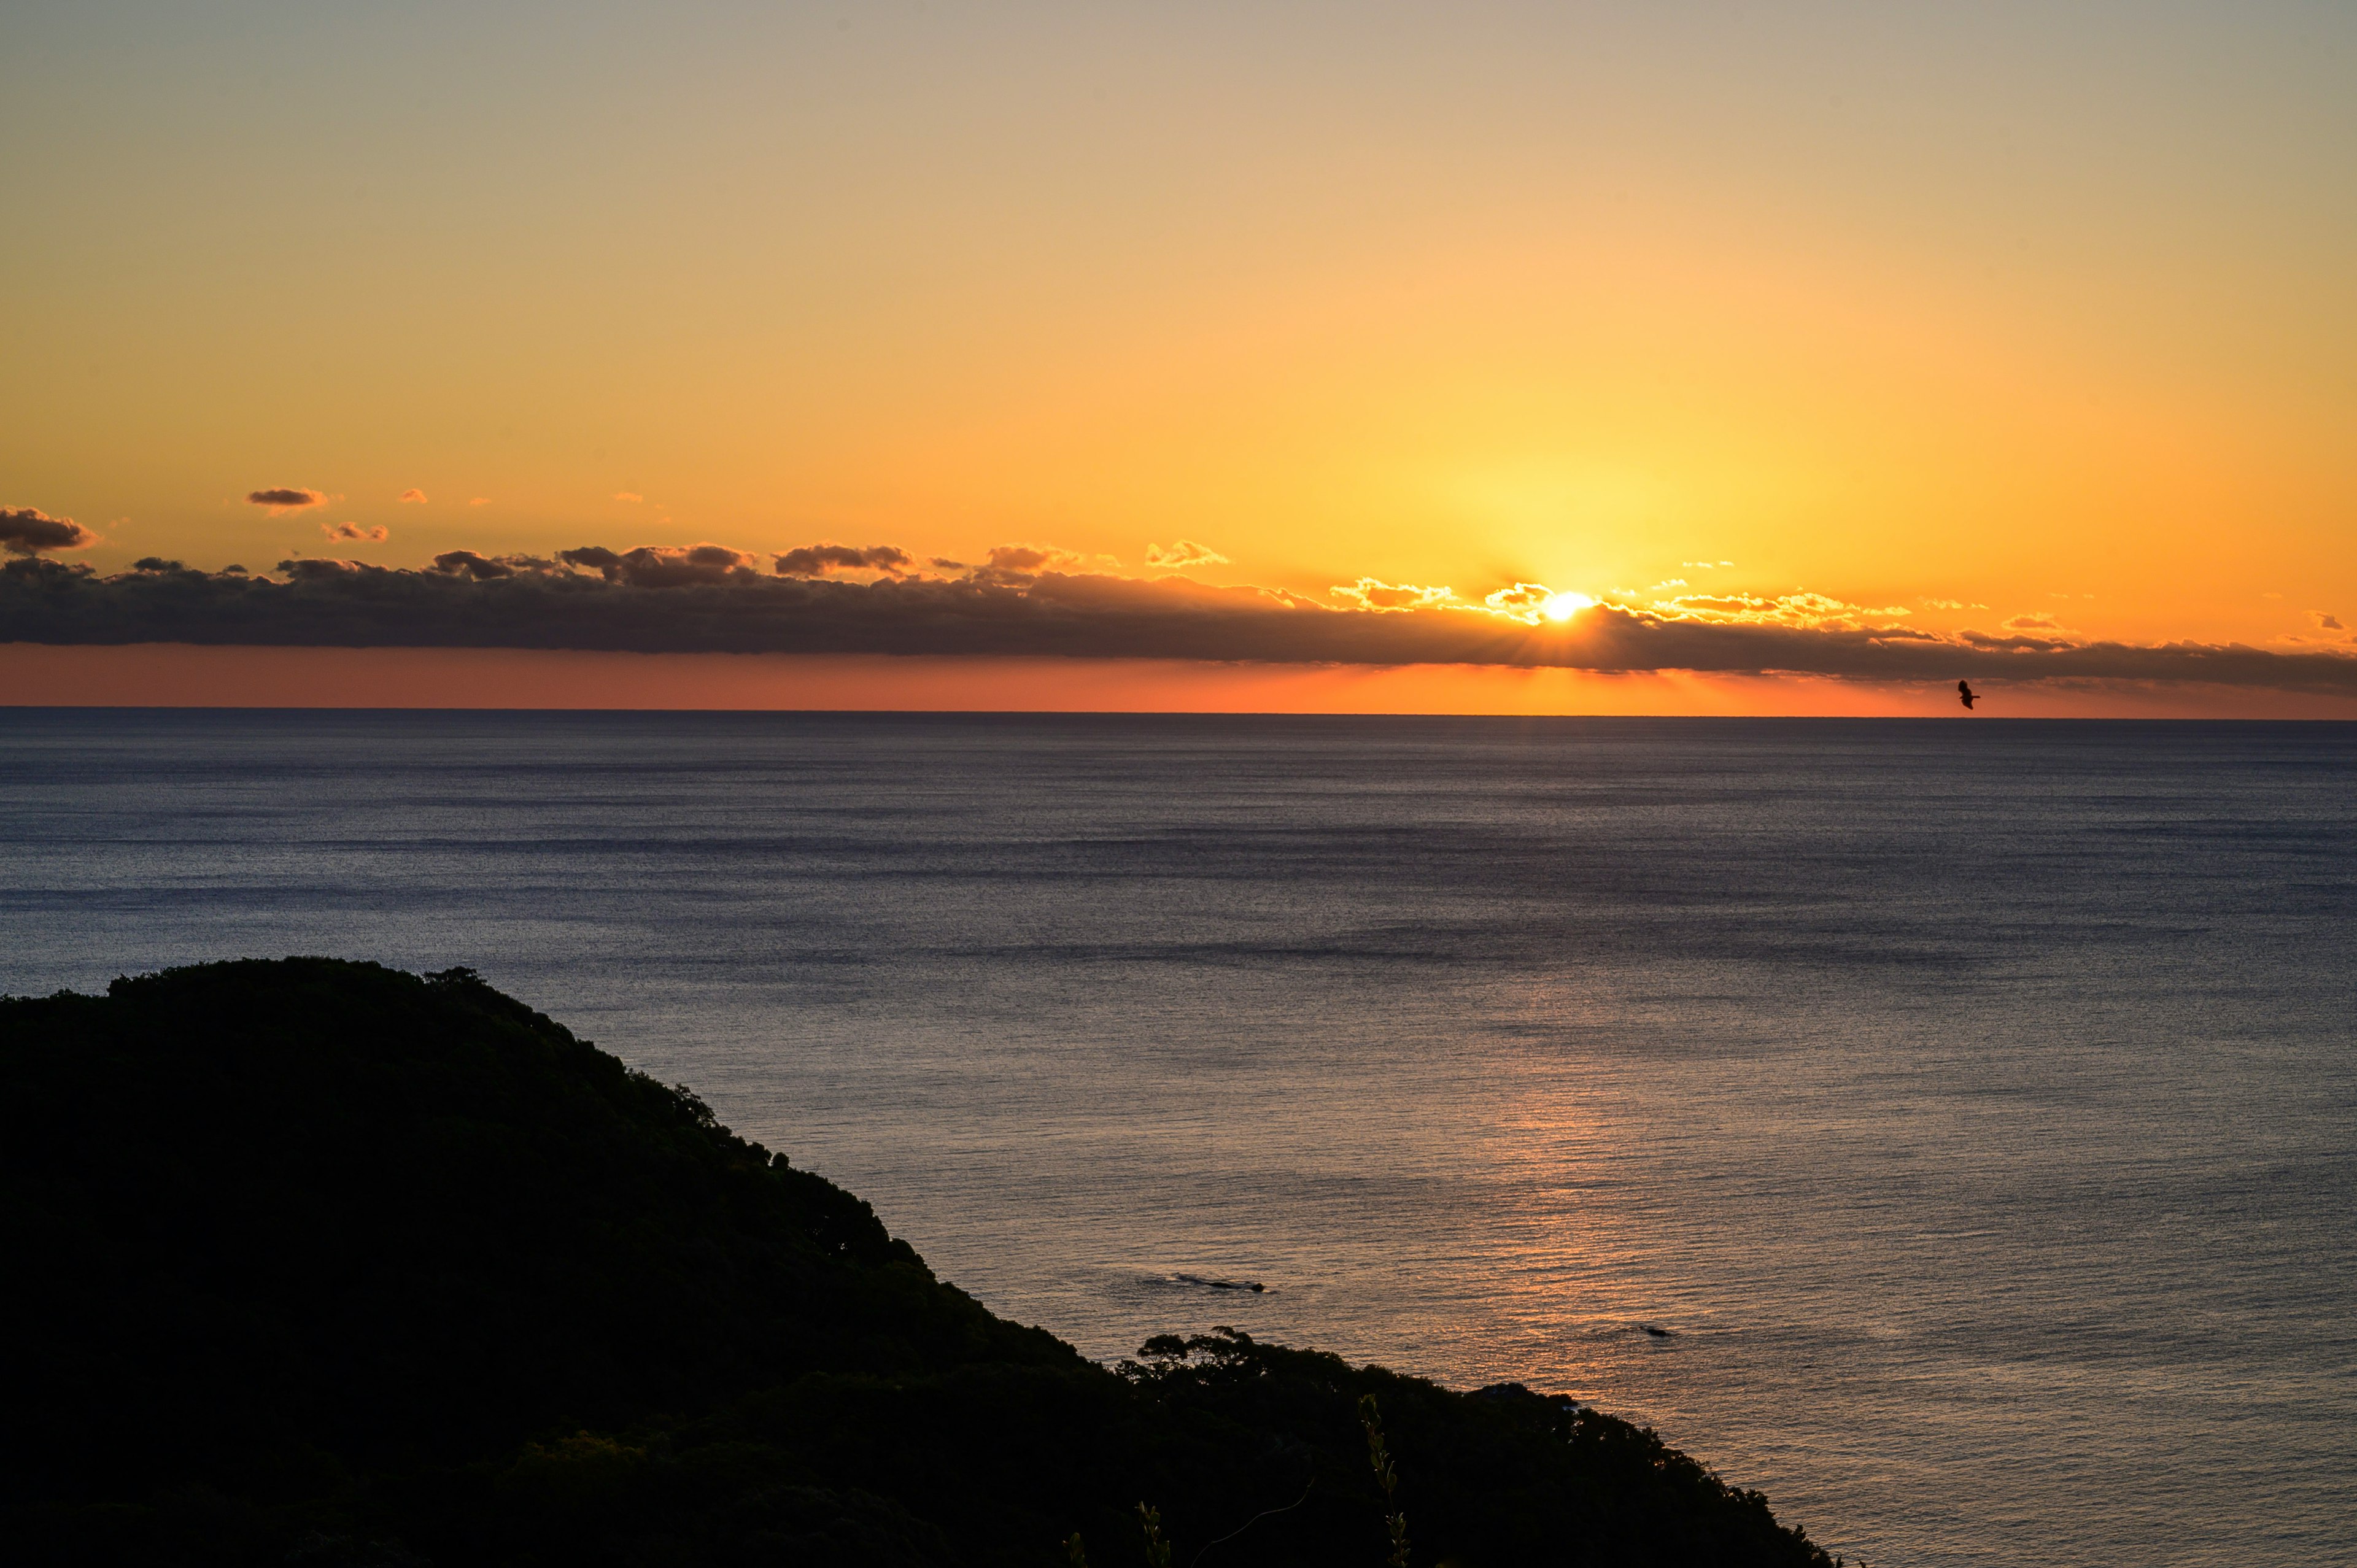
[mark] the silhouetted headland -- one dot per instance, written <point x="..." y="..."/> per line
<point x="321" y="1262"/>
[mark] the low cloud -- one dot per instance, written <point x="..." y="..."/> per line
<point x="710" y="597"/>
<point x="657" y="566"/>
<point x="818" y="560"/>
<point x="481" y="568"/>
<point x="414" y="497"/>
<point x="1814" y="612"/>
<point x="354" y="531"/>
<point x="28" y="531"/>
<point x="1182" y="553"/>
<point x="1374" y="594"/>
<point x="1020" y="565"/>
<point x="2033" y="623"/>
<point x="2326" y="622"/>
<point x="1526" y="602"/>
<point x="286" y="497"/>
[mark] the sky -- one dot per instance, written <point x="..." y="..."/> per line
<point x="1885" y="345"/>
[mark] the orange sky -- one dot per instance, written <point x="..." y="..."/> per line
<point x="2027" y="315"/>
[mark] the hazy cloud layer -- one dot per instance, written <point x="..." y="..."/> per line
<point x="354" y="531"/>
<point x="28" y="531"/>
<point x="710" y="597"/>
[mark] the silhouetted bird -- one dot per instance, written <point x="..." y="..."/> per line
<point x="1965" y="694"/>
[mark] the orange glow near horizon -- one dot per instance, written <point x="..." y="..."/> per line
<point x="164" y="675"/>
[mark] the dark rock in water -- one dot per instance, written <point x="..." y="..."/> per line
<point x="1657" y="1333"/>
<point x="1253" y="1286"/>
<point x="329" y="1265"/>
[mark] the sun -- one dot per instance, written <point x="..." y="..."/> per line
<point x="1562" y="606"/>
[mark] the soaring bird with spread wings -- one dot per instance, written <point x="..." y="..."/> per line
<point x="1965" y="694"/>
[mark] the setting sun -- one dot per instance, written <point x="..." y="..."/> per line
<point x="1562" y="606"/>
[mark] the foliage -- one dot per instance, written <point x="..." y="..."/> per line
<point x="330" y="1265"/>
<point x="1379" y="1459"/>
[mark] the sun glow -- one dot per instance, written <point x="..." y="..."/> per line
<point x="1562" y="606"/>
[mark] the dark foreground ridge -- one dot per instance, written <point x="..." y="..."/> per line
<point x="318" y="1263"/>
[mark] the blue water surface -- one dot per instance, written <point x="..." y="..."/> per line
<point x="1975" y="1103"/>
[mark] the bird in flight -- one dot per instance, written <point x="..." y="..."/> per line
<point x="1965" y="694"/>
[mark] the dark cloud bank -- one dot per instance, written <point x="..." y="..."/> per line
<point x="709" y="598"/>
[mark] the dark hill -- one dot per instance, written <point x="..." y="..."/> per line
<point x="321" y="1262"/>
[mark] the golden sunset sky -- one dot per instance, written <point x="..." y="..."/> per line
<point x="2027" y="320"/>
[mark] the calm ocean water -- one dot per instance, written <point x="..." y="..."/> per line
<point x="1975" y="1102"/>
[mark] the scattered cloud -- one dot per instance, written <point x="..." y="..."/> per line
<point x="2033" y="623"/>
<point x="654" y="565"/>
<point x="1526" y="602"/>
<point x="2327" y="622"/>
<point x="414" y="496"/>
<point x="1018" y="566"/>
<point x="28" y="531"/>
<point x="482" y="568"/>
<point x="710" y="597"/>
<point x="1952" y="605"/>
<point x="1182" y="553"/>
<point x="1374" y="594"/>
<point x="818" y="560"/>
<point x="631" y="496"/>
<point x="1028" y="557"/>
<point x="354" y="531"/>
<point x="1804" y="610"/>
<point x="479" y="500"/>
<point x="287" y="497"/>
<point x="319" y="569"/>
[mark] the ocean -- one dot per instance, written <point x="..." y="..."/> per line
<point x="1971" y="1106"/>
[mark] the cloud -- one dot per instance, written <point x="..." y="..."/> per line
<point x="818" y="560"/>
<point x="286" y="497"/>
<point x="414" y="496"/>
<point x="710" y="597"/>
<point x="2033" y="623"/>
<point x="660" y="565"/>
<point x="631" y="496"/>
<point x="479" y="500"/>
<point x="466" y="564"/>
<point x="1017" y="565"/>
<point x="28" y="531"/>
<point x="1182" y="553"/>
<point x="354" y="531"/>
<point x="1526" y="602"/>
<point x="1800" y="609"/>
<point x="1374" y="594"/>
<point x="2326" y="622"/>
